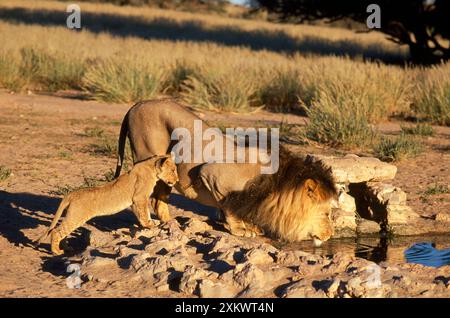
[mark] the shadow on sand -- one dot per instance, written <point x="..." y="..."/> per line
<point x="22" y="211"/>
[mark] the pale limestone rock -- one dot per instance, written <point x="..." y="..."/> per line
<point x="387" y="193"/>
<point x="246" y="273"/>
<point x="209" y="289"/>
<point x="196" y="226"/>
<point x="401" y="214"/>
<point x="346" y="202"/>
<point x="354" y="169"/>
<point x="343" y="220"/>
<point x="443" y="217"/>
<point x="191" y="278"/>
<point x="257" y="256"/>
<point x="367" y="227"/>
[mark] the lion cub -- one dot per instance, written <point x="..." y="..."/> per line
<point x="131" y="189"/>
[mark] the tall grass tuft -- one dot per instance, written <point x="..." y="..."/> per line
<point x="282" y="91"/>
<point x="51" y="70"/>
<point x="338" y="116"/>
<point x="230" y="91"/>
<point x="432" y="98"/>
<point x="10" y="74"/>
<point x="120" y="80"/>
<point x="179" y="73"/>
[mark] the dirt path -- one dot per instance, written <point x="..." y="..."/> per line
<point x="52" y="143"/>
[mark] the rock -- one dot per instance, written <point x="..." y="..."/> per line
<point x="139" y="261"/>
<point x="346" y="202"/>
<point x="147" y="233"/>
<point x="173" y="231"/>
<point x="367" y="227"/>
<point x="196" y="226"/>
<point x="176" y="260"/>
<point x="443" y="217"/>
<point x="191" y="278"/>
<point x="257" y="256"/>
<point x="387" y="193"/>
<point x="302" y="289"/>
<point x="124" y="251"/>
<point x="98" y="238"/>
<point x="246" y="273"/>
<point x="96" y="261"/>
<point x="209" y="289"/>
<point x="338" y="263"/>
<point x="290" y="257"/>
<point x="354" y="169"/>
<point x="342" y="221"/>
<point x="163" y="246"/>
<point x="401" y="214"/>
<point x="224" y="242"/>
<point x="333" y="288"/>
<point x="230" y="256"/>
<point x="354" y="287"/>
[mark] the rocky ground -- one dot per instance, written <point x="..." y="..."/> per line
<point x="51" y="144"/>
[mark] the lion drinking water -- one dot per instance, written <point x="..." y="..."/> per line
<point x="131" y="189"/>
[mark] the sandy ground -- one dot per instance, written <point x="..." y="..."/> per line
<point x="44" y="143"/>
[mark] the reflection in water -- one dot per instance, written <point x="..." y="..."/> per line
<point x="427" y="254"/>
<point x="376" y="253"/>
<point x="376" y="249"/>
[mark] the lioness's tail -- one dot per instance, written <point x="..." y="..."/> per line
<point x="121" y="145"/>
<point x="62" y="206"/>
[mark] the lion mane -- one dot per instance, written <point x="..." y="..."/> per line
<point x="287" y="203"/>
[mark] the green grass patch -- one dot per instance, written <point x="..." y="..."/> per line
<point x="105" y="146"/>
<point x="399" y="148"/>
<point x="5" y="173"/>
<point x="437" y="189"/>
<point x="94" y="132"/>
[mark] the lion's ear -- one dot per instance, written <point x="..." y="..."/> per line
<point x="159" y="163"/>
<point x="310" y="186"/>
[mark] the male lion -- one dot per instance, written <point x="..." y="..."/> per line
<point x="149" y="126"/>
<point x="131" y="189"/>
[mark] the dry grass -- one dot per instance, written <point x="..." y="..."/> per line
<point x="121" y="80"/>
<point x="125" y="54"/>
<point x="340" y="117"/>
<point x="432" y="97"/>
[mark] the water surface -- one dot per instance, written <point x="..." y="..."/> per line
<point x="430" y="250"/>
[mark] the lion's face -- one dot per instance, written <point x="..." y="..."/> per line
<point x="167" y="171"/>
<point x="318" y="216"/>
<point x="321" y="226"/>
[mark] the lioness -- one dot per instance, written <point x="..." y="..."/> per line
<point x="149" y="126"/>
<point x="131" y="189"/>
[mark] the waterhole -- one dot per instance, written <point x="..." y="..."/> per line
<point x="429" y="250"/>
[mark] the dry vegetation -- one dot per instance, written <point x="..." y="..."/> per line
<point x="125" y="54"/>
